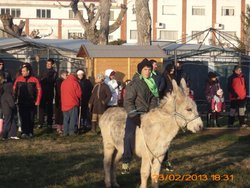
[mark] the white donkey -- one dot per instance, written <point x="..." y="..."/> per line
<point x="158" y="128"/>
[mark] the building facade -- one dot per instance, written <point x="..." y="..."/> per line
<point x="172" y="20"/>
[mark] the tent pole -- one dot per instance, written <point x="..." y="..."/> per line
<point x="175" y="58"/>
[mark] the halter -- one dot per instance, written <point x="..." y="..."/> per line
<point x="187" y="121"/>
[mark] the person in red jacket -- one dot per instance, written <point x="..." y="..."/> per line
<point x="237" y="95"/>
<point x="28" y="93"/>
<point x="70" y="98"/>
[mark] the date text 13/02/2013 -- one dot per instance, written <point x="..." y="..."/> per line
<point x="193" y="177"/>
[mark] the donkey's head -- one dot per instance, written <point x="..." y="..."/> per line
<point x="183" y="107"/>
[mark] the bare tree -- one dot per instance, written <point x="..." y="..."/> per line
<point x="91" y="32"/>
<point x="143" y="22"/>
<point x="11" y="29"/>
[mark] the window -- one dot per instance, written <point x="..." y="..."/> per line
<point x="43" y="13"/>
<point x="198" y="11"/>
<point x="112" y="16"/>
<point x="75" y="35"/>
<point x="169" y="10"/>
<point x="133" y="9"/>
<point x="168" y="35"/>
<point x="14" y="12"/>
<point x="133" y="34"/>
<point x="72" y="15"/>
<point x="198" y="36"/>
<point x="227" y="11"/>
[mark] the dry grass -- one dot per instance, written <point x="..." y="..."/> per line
<point x="52" y="161"/>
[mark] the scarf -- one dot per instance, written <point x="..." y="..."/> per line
<point x="151" y="85"/>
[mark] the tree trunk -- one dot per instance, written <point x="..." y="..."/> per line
<point x="104" y="18"/>
<point x="143" y="22"/>
<point x="12" y="29"/>
<point x="90" y="30"/>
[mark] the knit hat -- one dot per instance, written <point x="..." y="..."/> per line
<point x="219" y="92"/>
<point x="144" y="63"/>
<point x="100" y="76"/>
<point x="79" y="72"/>
<point x="211" y="75"/>
<point x="109" y="72"/>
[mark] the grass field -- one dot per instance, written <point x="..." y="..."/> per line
<point x="49" y="160"/>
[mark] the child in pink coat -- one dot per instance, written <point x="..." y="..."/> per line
<point x="217" y="105"/>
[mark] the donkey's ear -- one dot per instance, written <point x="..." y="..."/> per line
<point x="175" y="86"/>
<point x="184" y="87"/>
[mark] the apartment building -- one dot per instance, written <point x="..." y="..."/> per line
<point x="172" y="20"/>
<point x="49" y="16"/>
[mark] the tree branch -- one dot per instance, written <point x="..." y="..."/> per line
<point x="118" y="21"/>
<point x="95" y="19"/>
<point x="65" y="6"/>
<point x="78" y="14"/>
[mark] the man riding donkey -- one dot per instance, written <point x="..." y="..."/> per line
<point x="141" y="96"/>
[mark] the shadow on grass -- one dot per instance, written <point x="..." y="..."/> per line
<point x="76" y="161"/>
<point x="80" y="162"/>
<point x="51" y="169"/>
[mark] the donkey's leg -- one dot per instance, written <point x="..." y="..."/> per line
<point x="107" y="162"/>
<point x="116" y="158"/>
<point x="145" y="171"/>
<point x="155" y="171"/>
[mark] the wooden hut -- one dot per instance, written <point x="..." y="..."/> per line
<point x="122" y="59"/>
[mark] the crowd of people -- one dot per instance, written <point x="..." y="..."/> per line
<point x="79" y="105"/>
<point x="237" y="89"/>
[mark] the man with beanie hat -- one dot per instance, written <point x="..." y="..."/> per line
<point x="237" y="95"/>
<point x="141" y="96"/>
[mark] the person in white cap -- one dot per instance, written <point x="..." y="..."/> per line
<point x="86" y="87"/>
<point x="113" y="86"/>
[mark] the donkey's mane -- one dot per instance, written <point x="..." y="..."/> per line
<point x="170" y="96"/>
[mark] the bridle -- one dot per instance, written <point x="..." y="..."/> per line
<point x="187" y="121"/>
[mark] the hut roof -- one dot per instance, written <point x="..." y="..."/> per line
<point x="7" y="44"/>
<point x="90" y="50"/>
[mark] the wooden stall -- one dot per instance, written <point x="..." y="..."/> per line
<point x="122" y="59"/>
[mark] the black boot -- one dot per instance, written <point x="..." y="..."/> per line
<point x="242" y="120"/>
<point x="231" y="121"/>
<point x="215" y="123"/>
